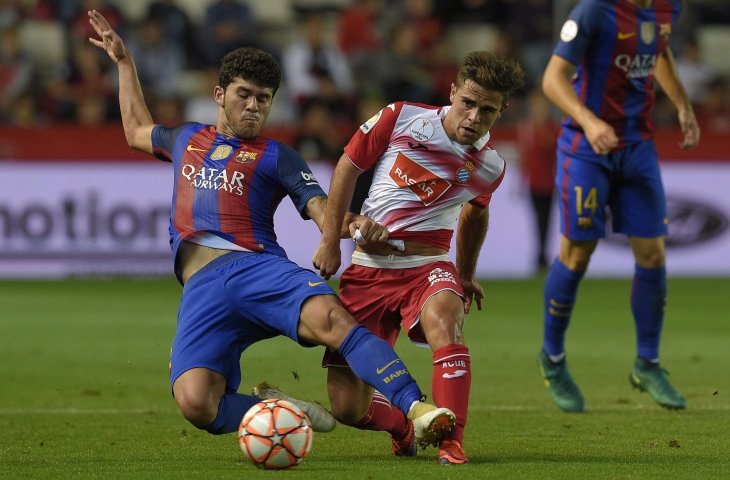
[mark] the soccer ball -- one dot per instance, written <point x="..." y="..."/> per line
<point x="275" y="434"/>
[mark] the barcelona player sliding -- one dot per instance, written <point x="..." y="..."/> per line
<point x="602" y="76"/>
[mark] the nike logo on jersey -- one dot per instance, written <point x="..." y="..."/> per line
<point x="458" y="373"/>
<point x="417" y="146"/>
<point x="193" y="148"/>
<point x="627" y="35"/>
<point x="381" y="370"/>
<point x="314" y="284"/>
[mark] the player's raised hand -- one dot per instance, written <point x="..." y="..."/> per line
<point x="109" y="41"/>
<point x="600" y="135"/>
<point x="690" y="128"/>
<point x="472" y="292"/>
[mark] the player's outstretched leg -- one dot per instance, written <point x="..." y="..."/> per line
<point x="651" y="378"/>
<point x="322" y="420"/>
<point x="560" y="384"/>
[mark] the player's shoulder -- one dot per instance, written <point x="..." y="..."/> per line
<point x="401" y="108"/>
<point x="285" y="155"/>
<point x="412" y="109"/>
<point x="594" y="10"/>
<point x="178" y="128"/>
<point x="677" y="6"/>
<point x="418" y="117"/>
<point x="491" y="155"/>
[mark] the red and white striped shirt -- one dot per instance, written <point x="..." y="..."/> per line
<point x="421" y="178"/>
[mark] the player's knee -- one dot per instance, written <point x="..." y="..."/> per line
<point x="337" y="325"/>
<point x="197" y="408"/>
<point x="440" y="338"/>
<point x="651" y="260"/>
<point x="325" y="321"/>
<point x="444" y="329"/>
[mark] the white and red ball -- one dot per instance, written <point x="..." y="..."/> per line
<point x="275" y="434"/>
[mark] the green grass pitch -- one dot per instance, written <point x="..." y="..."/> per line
<point x="84" y="391"/>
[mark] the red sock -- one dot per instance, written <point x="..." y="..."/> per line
<point x="383" y="416"/>
<point x="451" y="383"/>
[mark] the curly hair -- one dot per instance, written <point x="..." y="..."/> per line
<point x="492" y="72"/>
<point x="250" y="64"/>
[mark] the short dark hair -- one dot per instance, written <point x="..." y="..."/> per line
<point x="250" y="64"/>
<point x="492" y="72"/>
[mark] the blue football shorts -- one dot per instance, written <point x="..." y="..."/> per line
<point x="626" y="182"/>
<point x="235" y="301"/>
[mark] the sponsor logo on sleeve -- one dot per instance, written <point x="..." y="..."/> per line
<point x="367" y="126"/>
<point x="569" y="31"/>
<point x="309" y="178"/>
<point x="421" y="129"/>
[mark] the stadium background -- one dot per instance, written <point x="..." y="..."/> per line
<point x="75" y="200"/>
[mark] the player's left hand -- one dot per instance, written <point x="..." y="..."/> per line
<point x="472" y="291"/>
<point x="690" y="128"/>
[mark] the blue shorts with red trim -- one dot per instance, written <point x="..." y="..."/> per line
<point x="624" y="186"/>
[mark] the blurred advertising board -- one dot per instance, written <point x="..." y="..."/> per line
<point x="62" y="219"/>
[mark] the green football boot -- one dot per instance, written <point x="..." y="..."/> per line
<point x="560" y="384"/>
<point x="651" y="378"/>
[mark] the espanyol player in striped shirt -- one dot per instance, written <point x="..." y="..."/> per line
<point x="432" y="166"/>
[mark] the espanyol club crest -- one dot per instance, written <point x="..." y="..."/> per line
<point x="462" y="175"/>
<point x="422" y="129"/>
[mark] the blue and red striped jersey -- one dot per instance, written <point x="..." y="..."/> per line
<point x="615" y="45"/>
<point x="227" y="189"/>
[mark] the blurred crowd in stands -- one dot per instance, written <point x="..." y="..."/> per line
<point x="342" y="60"/>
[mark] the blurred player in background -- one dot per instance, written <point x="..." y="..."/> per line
<point x="431" y="165"/>
<point x="536" y="134"/>
<point x="602" y="76"/>
<point x="239" y="287"/>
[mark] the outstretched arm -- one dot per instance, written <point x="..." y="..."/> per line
<point x="136" y="116"/>
<point x="668" y="78"/>
<point x="556" y="86"/>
